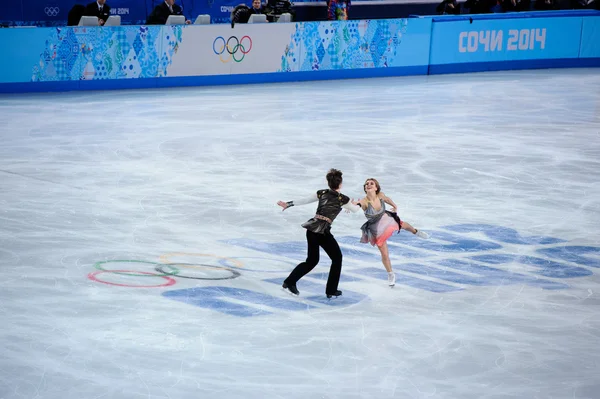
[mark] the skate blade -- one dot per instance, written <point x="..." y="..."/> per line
<point x="289" y="292"/>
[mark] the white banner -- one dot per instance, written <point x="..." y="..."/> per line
<point x="221" y="50"/>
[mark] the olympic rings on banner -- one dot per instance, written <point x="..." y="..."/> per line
<point x="265" y="261"/>
<point x="176" y="266"/>
<point x="165" y="259"/>
<point x="92" y="276"/>
<point x="234" y="46"/>
<point x="98" y="265"/>
<point x="52" y="11"/>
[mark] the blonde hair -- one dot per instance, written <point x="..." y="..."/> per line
<point x="376" y="185"/>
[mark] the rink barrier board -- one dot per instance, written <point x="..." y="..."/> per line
<point x="129" y="57"/>
<point x="590" y="35"/>
<point x="478" y="42"/>
<point x="471" y="67"/>
<point x="186" y="81"/>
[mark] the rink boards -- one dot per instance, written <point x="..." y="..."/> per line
<point x="72" y="58"/>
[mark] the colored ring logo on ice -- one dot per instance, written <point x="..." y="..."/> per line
<point x="52" y="11"/>
<point x="236" y="48"/>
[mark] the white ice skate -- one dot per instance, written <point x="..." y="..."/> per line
<point x="391" y="279"/>
<point x="422" y="234"/>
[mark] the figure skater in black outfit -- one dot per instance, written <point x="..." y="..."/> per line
<point x="318" y="233"/>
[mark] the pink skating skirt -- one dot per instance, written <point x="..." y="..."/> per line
<point x="377" y="230"/>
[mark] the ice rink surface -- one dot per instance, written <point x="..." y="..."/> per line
<point x="142" y="250"/>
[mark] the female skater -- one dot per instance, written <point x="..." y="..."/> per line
<point x="318" y="233"/>
<point x="381" y="224"/>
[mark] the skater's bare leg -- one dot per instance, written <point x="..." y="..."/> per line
<point x="385" y="257"/>
<point x="406" y="226"/>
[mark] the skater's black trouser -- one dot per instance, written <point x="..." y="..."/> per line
<point x="331" y="247"/>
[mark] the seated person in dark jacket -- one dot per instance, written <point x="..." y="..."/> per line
<point x="448" y="7"/>
<point x="98" y="9"/>
<point x="161" y="12"/>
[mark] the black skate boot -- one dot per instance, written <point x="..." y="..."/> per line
<point x="336" y="294"/>
<point x="291" y="289"/>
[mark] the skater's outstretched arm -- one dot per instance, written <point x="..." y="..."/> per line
<point x="361" y="202"/>
<point x="301" y="201"/>
<point x="352" y="207"/>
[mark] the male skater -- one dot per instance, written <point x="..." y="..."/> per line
<point x="318" y="233"/>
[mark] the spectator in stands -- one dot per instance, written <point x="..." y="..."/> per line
<point x="98" y="9"/>
<point x="337" y="10"/>
<point x="545" y="5"/>
<point x="257" y="7"/>
<point x="161" y="13"/>
<point x="497" y="6"/>
<point x="448" y="7"/>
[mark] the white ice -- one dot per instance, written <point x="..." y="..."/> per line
<point x="182" y="175"/>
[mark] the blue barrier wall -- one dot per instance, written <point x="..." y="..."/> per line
<point x="152" y="56"/>
<point x="590" y="45"/>
<point x="70" y="58"/>
<point x="458" y="46"/>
